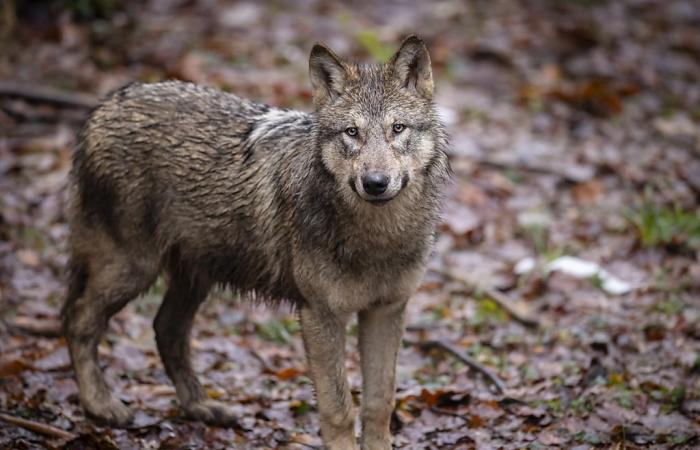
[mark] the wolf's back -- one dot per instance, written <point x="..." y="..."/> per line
<point x="174" y="165"/>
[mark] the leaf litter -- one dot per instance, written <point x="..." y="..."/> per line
<point x="575" y="145"/>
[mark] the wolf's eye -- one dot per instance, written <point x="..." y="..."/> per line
<point x="351" y="131"/>
<point x="398" y="127"/>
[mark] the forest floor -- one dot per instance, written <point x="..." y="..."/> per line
<point x="567" y="261"/>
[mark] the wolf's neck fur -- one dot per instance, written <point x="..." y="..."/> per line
<point x="360" y="235"/>
<point x="326" y="215"/>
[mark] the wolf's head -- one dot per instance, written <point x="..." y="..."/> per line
<point x="377" y="127"/>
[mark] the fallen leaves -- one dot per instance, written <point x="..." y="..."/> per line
<point x="561" y="116"/>
<point x="13" y="366"/>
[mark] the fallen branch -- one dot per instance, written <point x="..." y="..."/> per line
<point x="21" y="112"/>
<point x="501" y="299"/>
<point x="47" y="95"/>
<point x="569" y="172"/>
<point x="459" y="354"/>
<point x="49" y="327"/>
<point x="38" y="427"/>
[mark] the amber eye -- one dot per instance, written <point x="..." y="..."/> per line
<point x="398" y="127"/>
<point x="351" y="131"/>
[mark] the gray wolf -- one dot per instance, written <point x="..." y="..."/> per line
<point x="333" y="211"/>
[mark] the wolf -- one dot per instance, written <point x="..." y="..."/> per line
<point x="333" y="211"/>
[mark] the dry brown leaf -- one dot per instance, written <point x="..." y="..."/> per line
<point x="588" y="191"/>
<point x="14" y="366"/>
<point x="288" y="373"/>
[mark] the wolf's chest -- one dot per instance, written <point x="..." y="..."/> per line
<point x="351" y="279"/>
<point x="351" y="293"/>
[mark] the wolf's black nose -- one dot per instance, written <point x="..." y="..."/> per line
<point x="375" y="183"/>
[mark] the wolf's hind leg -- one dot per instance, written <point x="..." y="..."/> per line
<point x="173" y="324"/>
<point x="100" y="285"/>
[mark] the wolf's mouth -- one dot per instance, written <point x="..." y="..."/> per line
<point x="378" y="201"/>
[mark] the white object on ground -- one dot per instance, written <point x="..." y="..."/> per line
<point x="525" y="265"/>
<point x="578" y="268"/>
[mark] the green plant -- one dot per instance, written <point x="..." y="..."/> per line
<point x="488" y="312"/>
<point x="665" y="226"/>
<point x="670" y="307"/>
<point x="280" y="331"/>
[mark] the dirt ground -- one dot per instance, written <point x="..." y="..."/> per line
<point x="568" y="257"/>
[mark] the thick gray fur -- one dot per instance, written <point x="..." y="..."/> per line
<point x="208" y="188"/>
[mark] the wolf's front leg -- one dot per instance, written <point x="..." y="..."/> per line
<point x="381" y="329"/>
<point x="324" y="339"/>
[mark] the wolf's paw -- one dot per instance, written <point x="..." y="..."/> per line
<point x="211" y="412"/>
<point x="110" y="412"/>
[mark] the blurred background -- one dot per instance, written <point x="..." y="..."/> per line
<point x="567" y="264"/>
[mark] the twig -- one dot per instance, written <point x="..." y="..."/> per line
<point x="421" y="327"/>
<point x="466" y="359"/>
<point x="48" y="95"/>
<point x="38" y="427"/>
<point x="50" y="327"/>
<point x="266" y="367"/>
<point x="572" y="174"/>
<point x="20" y="112"/>
<point x="447" y="412"/>
<point x="504" y="302"/>
<point x="501" y="299"/>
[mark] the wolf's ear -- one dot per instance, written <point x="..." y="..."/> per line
<point x="411" y="66"/>
<point x="328" y="74"/>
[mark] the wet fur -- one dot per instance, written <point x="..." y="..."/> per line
<point x="209" y="188"/>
